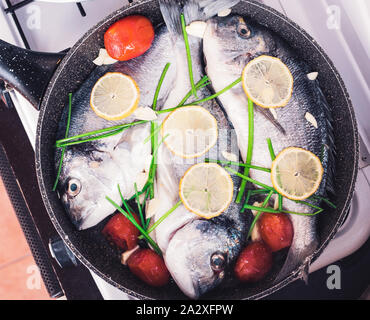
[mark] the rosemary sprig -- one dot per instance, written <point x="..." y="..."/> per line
<point x="64" y="148"/>
<point x="249" y="150"/>
<point x="188" y="55"/>
<point x="240" y="164"/>
<point x="134" y="222"/>
<point x="259" y="213"/>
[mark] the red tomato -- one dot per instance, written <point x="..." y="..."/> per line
<point x="129" y="37"/>
<point x="254" y="262"/>
<point x="276" y="230"/>
<point x="149" y="267"/>
<point x="122" y="232"/>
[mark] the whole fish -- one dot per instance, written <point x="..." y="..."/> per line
<point x="91" y="171"/>
<point x="229" y="43"/>
<point x="196" y="252"/>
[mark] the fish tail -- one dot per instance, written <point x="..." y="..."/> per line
<point x="298" y="256"/>
<point x="193" y="10"/>
<point x="171" y="11"/>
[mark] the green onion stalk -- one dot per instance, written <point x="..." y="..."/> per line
<point x="249" y="150"/>
<point x="64" y="148"/>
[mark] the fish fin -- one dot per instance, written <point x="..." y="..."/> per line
<point x="269" y="116"/>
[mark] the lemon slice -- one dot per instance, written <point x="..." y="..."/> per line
<point x="296" y="173"/>
<point x="190" y="131"/>
<point x="115" y="96"/>
<point x="268" y="82"/>
<point x="206" y="189"/>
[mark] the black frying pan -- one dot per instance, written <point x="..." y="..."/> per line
<point x="46" y="79"/>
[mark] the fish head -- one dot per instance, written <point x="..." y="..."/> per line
<point x="231" y="42"/>
<point x="86" y="179"/>
<point x="197" y="256"/>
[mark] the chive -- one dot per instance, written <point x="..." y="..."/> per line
<point x="271" y="149"/>
<point x="283" y="211"/>
<point x="249" y="179"/>
<point x="145" y="198"/>
<point x="134" y="222"/>
<point x="59" y="169"/>
<point x="240" y="164"/>
<point x="154" y="128"/>
<point x="249" y="193"/>
<point x="140" y="192"/>
<point x="260" y="191"/>
<point x="164" y="216"/>
<point x="205" y="99"/>
<point x="139" y="207"/>
<point x="327" y="201"/>
<point x="259" y="213"/>
<point x="102" y="136"/>
<point x="155" y="100"/>
<point x="188" y="55"/>
<point x="153" y="165"/>
<point x="200" y="84"/>
<point x="280" y="202"/>
<point x="217" y="93"/>
<point x="250" y="149"/>
<point x="153" y="133"/>
<point x="124" y="202"/>
<point x="160" y="82"/>
<point x="307" y="204"/>
<point x="66" y="135"/>
<point x="94" y="133"/>
<point x="147" y="223"/>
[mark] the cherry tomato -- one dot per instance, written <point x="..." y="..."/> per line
<point x="149" y="267"/>
<point x="276" y="230"/>
<point x="122" y="232"/>
<point x="129" y="37"/>
<point x="254" y="262"/>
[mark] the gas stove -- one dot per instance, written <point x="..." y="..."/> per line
<point x="342" y="29"/>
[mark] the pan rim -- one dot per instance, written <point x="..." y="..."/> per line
<point x="298" y="272"/>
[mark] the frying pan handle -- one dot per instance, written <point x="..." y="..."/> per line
<point x="27" y="71"/>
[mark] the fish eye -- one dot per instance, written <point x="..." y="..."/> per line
<point x="243" y="31"/>
<point x="74" y="187"/>
<point x="218" y="261"/>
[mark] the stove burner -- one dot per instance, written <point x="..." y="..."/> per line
<point x="12" y="8"/>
